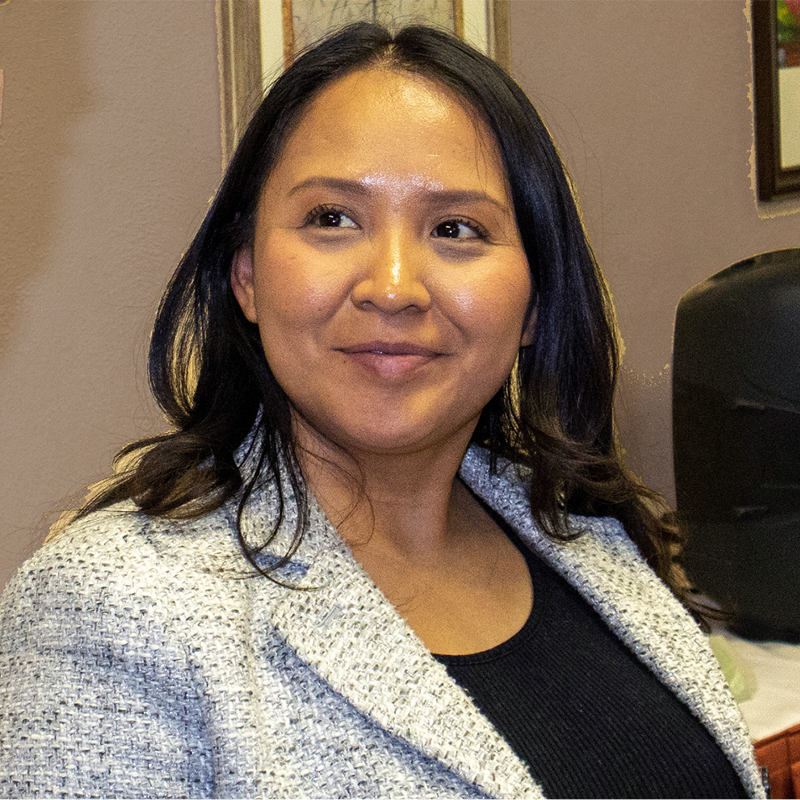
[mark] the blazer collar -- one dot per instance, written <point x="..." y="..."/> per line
<point x="356" y="641"/>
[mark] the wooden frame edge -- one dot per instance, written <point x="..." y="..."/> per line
<point x="239" y="56"/>
<point x="501" y="33"/>
<point x="773" y="182"/>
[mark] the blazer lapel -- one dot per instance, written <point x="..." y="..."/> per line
<point x="605" y="566"/>
<point x="355" y="640"/>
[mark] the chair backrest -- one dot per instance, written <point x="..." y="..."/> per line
<point x="736" y="439"/>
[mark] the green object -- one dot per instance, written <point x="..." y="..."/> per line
<point x="788" y="27"/>
<point x="738" y="673"/>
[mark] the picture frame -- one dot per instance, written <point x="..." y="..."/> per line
<point x="257" y="39"/>
<point x="775" y="179"/>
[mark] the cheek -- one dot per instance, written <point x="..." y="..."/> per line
<point x="292" y="290"/>
<point x="492" y="305"/>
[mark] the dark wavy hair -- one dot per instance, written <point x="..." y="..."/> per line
<point x="554" y="414"/>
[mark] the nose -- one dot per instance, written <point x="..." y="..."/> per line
<point x="393" y="279"/>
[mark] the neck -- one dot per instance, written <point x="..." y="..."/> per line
<point x="408" y="502"/>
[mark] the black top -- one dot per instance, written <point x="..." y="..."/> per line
<point x="585" y="714"/>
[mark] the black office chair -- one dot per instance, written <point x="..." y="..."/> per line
<point x="736" y="437"/>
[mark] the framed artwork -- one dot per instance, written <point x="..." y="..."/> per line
<point x="776" y="97"/>
<point x="257" y="39"/>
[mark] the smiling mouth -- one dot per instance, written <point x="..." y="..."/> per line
<point x="390" y="359"/>
<point x="390" y="349"/>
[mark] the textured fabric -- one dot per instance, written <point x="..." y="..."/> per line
<point x="137" y="658"/>
<point x="584" y="713"/>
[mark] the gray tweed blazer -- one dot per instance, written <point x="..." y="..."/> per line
<point x="138" y="659"/>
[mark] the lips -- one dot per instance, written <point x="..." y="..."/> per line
<point x="390" y="359"/>
<point x="390" y="349"/>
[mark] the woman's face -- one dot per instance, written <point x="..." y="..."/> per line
<point x="387" y="276"/>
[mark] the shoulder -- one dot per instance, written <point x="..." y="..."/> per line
<point x="120" y="536"/>
<point x="97" y="631"/>
<point x="113" y="561"/>
<point x="506" y="489"/>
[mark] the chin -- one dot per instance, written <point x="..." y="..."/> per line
<point x="383" y="439"/>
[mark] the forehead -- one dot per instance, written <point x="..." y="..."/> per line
<point x="379" y="124"/>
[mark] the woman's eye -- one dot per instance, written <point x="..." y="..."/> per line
<point x="458" y="229"/>
<point x="324" y="217"/>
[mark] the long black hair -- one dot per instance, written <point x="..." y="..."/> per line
<point x="554" y="414"/>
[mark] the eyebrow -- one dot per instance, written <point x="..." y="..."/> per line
<point x="440" y="196"/>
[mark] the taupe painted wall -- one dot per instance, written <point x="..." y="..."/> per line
<point x="649" y="103"/>
<point x="110" y="149"/>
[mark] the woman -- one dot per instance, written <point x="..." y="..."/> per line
<point x="382" y="553"/>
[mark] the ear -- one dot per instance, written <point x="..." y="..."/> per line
<point x="530" y="328"/>
<point x="242" y="282"/>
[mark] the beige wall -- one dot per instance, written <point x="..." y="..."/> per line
<point x="110" y="149"/>
<point x="649" y="103"/>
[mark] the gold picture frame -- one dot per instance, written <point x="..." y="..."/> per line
<point x="258" y="38"/>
